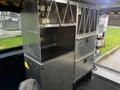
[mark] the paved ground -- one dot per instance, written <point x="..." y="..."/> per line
<point x="5" y="34"/>
<point x="113" y="61"/>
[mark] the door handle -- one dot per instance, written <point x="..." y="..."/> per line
<point x="87" y="39"/>
<point x="85" y="60"/>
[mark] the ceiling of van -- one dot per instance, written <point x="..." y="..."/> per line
<point x="100" y="1"/>
<point x="11" y="5"/>
<point x="16" y="5"/>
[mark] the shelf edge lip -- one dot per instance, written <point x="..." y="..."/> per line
<point x="78" y="60"/>
<point x="25" y="55"/>
<point x="57" y="25"/>
<point x="54" y="59"/>
<point x="49" y="25"/>
<point x="78" y="37"/>
<point x="69" y="24"/>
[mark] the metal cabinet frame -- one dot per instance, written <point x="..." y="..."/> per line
<point x="59" y="72"/>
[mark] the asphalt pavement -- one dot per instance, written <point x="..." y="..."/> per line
<point x="6" y="34"/>
<point x="112" y="61"/>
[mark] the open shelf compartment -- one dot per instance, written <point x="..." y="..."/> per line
<point x="56" y="42"/>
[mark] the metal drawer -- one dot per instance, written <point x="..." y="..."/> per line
<point x="84" y="46"/>
<point x="83" y="66"/>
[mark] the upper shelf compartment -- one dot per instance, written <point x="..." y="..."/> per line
<point x="52" y="12"/>
<point x="87" y="20"/>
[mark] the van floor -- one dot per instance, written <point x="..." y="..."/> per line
<point x="97" y="84"/>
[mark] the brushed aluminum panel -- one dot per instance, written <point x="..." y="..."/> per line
<point x="83" y="66"/>
<point x="84" y="46"/>
<point x="57" y="74"/>
<point x="30" y="30"/>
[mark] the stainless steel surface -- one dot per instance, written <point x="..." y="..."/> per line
<point x="53" y="44"/>
<point x="84" y="46"/>
<point x="53" y="75"/>
<point x="48" y="12"/>
<point x="82" y="36"/>
<point x="59" y="72"/>
<point x="57" y="12"/>
<point x="56" y="53"/>
<point x="69" y="16"/>
<point x="57" y="25"/>
<point x="83" y="66"/>
<point x="87" y="17"/>
<point x="30" y="30"/>
<point x="49" y="44"/>
<point x="87" y="20"/>
<point x="78" y="60"/>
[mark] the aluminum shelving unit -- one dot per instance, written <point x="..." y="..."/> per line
<point x="59" y="41"/>
<point x="87" y="18"/>
<point x="49" y="40"/>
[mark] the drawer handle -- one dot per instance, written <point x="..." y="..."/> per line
<point x="87" y="39"/>
<point x="85" y="60"/>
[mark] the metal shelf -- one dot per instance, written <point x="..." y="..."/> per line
<point x="50" y="25"/>
<point x="69" y="24"/>
<point x="81" y="36"/>
<point x="57" y="25"/>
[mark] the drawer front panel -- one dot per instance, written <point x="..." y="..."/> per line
<point x="83" y="66"/>
<point x="85" y="46"/>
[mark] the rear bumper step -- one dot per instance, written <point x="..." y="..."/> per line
<point x="108" y="75"/>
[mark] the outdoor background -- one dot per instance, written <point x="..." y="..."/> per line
<point x="112" y="37"/>
<point x="10" y="31"/>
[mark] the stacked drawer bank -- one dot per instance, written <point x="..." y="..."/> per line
<point x="87" y="19"/>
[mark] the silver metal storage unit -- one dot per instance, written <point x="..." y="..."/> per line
<point x="59" y="38"/>
<point x="49" y="40"/>
<point x="87" y="17"/>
